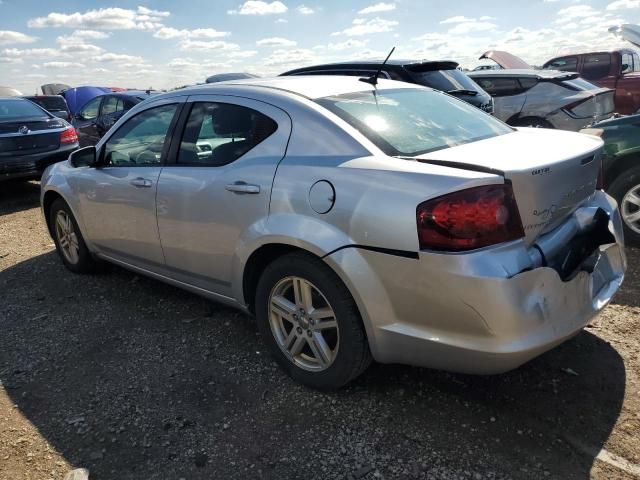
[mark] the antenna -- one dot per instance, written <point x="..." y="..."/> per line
<point x="373" y="79"/>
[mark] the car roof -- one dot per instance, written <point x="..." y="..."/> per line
<point x="312" y="87"/>
<point x="14" y="98"/>
<point x="541" y="74"/>
<point x="582" y="54"/>
<point x="133" y="93"/>
<point x="376" y="62"/>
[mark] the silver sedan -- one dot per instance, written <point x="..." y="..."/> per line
<point x="355" y="221"/>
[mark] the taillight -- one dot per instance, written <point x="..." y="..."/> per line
<point x="469" y="219"/>
<point x="574" y="108"/>
<point x="68" y="136"/>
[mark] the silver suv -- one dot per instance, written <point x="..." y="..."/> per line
<point x="545" y="98"/>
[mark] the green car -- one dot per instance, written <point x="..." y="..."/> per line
<point x="621" y="168"/>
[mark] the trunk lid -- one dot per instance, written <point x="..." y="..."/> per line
<point x="552" y="172"/>
<point x="39" y="137"/>
<point x="505" y="60"/>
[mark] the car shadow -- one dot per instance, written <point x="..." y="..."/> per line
<point x="132" y="379"/>
<point x="628" y="293"/>
<point x="16" y="196"/>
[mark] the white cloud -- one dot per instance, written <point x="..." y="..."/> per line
<point x="347" y="45"/>
<point x="258" y="7"/>
<point x="364" y="27"/>
<point x="570" y="14"/>
<point x="623" y="4"/>
<point x="377" y="8"/>
<point x="118" y="58"/>
<point x="280" y="58"/>
<point x="8" y="36"/>
<point x="276" y="42"/>
<point x="169" y="32"/>
<point x="241" y="54"/>
<point x="90" y="34"/>
<point x="30" y="52"/>
<point x="282" y="20"/>
<point x="63" y="65"/>
<point x="457" y="19"/>
<point x="76" y="42"/>
<point x="465" y="28"/>
<point x="304" y="10"/>
<point x="199" y="45"/>
<point x="113" y="18"/>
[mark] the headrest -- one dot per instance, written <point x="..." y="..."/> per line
<point x="228" y="119"/>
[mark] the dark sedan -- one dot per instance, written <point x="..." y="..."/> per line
<point x="31" y="139"/>
<point x="99" y="114"/>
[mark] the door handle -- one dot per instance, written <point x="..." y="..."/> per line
<point x="242" y="187"/>
<point x="141" y="182"/>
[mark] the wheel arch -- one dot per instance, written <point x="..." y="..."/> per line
<point x="48" y="198"/>
<point x="620" y="165"/>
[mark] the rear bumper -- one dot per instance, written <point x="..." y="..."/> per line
<point x="32" y="166"/>
<point x="563" y="121"/>
<point x="483" y="312"/>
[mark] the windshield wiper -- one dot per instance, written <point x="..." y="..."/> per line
<point x="462" y="91"/>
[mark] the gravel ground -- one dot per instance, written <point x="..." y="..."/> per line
<point x="134" y="379"/>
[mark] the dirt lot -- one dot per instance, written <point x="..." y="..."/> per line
<point x="134" y="379"/>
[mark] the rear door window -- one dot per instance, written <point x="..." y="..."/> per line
<point x="596" y="66"/>
<point x="110" y="105"/>
<point x="500" y="87"/>
<point x="217" y="134"/>
<point x="565" y="64"/>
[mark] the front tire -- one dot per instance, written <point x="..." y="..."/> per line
<point x="310" y="322"/>
<point x="69" y="242"/>
<point x="626" y="190"/>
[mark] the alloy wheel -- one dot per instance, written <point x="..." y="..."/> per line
<point x="67" y="238"/>
<point x="303" y="324"/>
<point x="630" y="208"/>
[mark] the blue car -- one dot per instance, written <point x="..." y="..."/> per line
<point x="99" y="114"/>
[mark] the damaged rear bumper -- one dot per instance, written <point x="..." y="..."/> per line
<point x="491" y="310"/>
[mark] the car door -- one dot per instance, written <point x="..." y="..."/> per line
<point x="108" y="112"/>
<point x="217" y="184"/>
<point x="507" y="93"/>
<point x="85" y="123"/>
<point x="118" y="199"/>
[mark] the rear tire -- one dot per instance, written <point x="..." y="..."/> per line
<point x="69" y="241"/>
<point x="532" y="122"/>
<point x="310" y="322"/>
<point x="626" y="190"/>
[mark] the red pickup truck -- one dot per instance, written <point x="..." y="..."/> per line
<point x="617" y="69"/>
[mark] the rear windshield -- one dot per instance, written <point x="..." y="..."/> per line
<point x="19" y="108"/>
<point x="579" y="84"/>
<point x="445" y="80"/>
<point x="50" y="103"/>
<point x="411" y="122"/>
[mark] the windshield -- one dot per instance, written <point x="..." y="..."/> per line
<point x="445" y="80"/>
<point x="16" y="109"/>
<point x="409" y="122"/>
<point x="50" y="103"/>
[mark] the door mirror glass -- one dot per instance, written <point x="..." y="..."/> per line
<point x="85" y="157"/>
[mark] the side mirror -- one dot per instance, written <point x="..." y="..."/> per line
<point x="79" y="116"/>
<point x="84" y="157"/>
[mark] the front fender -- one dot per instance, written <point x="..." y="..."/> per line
<point x="54" y="180"/>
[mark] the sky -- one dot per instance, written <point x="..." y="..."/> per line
<point x="166" y="43"/>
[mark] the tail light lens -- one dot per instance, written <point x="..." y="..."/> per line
<point x="580" y="109"/>
<point x="68" y="136"/>
<point x="469" y="219"/>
